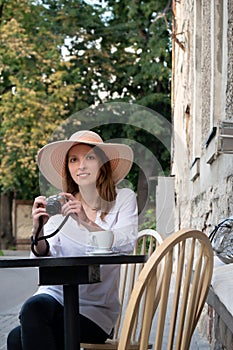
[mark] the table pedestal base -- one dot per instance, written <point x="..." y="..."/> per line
<point x="71" y="318"/>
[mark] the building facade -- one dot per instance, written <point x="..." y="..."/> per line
<point x="202" y="111"/>
<point x="202" y="102"/>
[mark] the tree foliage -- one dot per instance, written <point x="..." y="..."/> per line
<point x="60" y="56"/>
<point x="140" y="36"/>
<point x="38" y="89"/>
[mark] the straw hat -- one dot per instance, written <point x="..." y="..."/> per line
<point x="51" y="158"/>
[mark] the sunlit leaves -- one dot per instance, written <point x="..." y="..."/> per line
<point x="118" y="51"/>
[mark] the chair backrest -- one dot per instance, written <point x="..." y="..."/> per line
<point x="188" y="258"/>
<point x="148" y="240"/>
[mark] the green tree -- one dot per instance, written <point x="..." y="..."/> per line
<point x="38" y="89"/>
<point x="140" y="67"/>
<point x="58" y="57"/>
<point x="131" y="62"/>
<point x="127" y="56"/>
<point x="141" y="55"/>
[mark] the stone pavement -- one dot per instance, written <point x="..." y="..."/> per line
<point x="9" y="320"/>
<point x="199" y="342"/>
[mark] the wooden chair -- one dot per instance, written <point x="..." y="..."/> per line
<point x="188" y="259"/>
<point x="148" y="240"/>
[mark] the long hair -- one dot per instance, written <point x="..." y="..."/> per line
<point x="104" y="182"/>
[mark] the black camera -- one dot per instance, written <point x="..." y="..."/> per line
<point x="54" y="204"/>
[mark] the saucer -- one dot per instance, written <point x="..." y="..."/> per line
<point x="101" y="252"/>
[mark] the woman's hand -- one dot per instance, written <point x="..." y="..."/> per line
<point x="39" y="248"/>
<point x="38" y="210"/>
<point x="74" y="208"/>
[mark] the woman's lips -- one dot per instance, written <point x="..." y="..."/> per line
<point x="83" y="174"/>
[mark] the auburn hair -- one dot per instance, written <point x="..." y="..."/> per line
<point x="104" y="182"/>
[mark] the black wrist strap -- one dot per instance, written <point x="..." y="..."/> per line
<point x="34" y="241"/>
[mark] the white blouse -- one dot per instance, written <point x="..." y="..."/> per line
<point x="99" y="302"/>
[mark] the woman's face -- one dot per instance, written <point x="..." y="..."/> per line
<point x="83" y="164"/>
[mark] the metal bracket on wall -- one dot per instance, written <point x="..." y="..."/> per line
<point x="220" y="141"/>
<point x="225" y="138"/>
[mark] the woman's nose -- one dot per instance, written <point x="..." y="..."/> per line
<point x="82" y="164"/>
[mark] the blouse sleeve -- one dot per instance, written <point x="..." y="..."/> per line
<point x="123" y="220"/>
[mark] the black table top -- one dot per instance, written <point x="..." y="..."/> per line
<point x="73" y="261"/>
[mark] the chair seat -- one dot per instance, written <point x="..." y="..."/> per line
<point x="111" y="345"/>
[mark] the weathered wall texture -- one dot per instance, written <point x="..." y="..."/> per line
<point x="202" y="97"/>
<point x="229" y="87"/>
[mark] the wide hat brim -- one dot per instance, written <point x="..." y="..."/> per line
<point x="51" y="158"/>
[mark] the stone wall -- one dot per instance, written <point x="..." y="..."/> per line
<point x="229" y="86"/>
<point x="202" y="100"/>
<point x="206" y="197"/>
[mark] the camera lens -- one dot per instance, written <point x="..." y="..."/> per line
<point x="53" y="207"/>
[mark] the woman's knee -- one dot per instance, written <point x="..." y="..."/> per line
<point x="31" y="307"/>
<point x="40" y="307"/>
<point x="14" y="339"/>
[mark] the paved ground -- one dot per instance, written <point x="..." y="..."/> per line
<point x="9" y="319"/>
<point x="199" y="343"/>
<point x="9" y="315"/>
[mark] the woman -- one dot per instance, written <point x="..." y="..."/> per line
<point x="87" y="171"/>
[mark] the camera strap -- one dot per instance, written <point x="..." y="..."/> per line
<point x="34" y="241"/>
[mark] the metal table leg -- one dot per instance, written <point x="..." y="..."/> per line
<point x="71" y="317"/>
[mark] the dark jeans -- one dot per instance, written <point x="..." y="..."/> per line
<point x="42" y="326"/>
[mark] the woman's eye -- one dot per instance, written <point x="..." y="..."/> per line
<point x="90" y="157"/>
<point x="72" y="160"/>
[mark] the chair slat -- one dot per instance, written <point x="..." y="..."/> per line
<point x="180" y="269"/>
<point x="188" y="266"/>
<point x="164" y="300"/>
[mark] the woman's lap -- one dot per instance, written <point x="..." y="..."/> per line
<point x="42" y="326"/>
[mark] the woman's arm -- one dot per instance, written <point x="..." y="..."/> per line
<point x="123" y="220"/>
<point x="39" y="218"/>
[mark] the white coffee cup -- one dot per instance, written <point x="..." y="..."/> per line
<point x="101" y="240"/>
